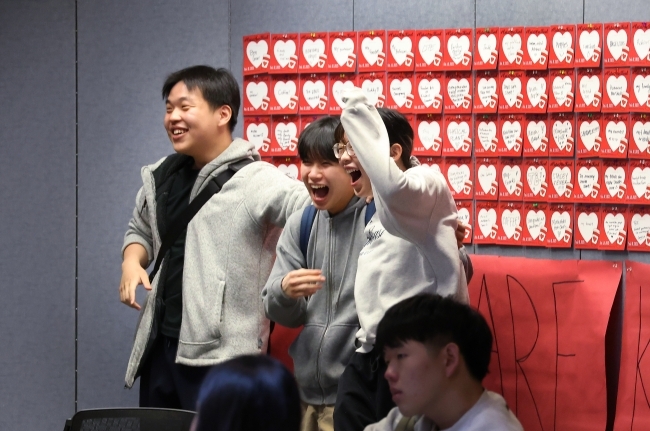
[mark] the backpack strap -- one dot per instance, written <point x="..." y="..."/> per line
<point x="407" y="423"/>
<point x="370" y="211"/>
<point x="180" y="224"/>
<point x="306" y="223"/>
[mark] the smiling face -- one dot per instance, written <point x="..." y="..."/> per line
<point x="328" y="185"/>
<point x="359" y="181"/>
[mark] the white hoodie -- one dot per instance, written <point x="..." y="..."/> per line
<point x="411" y="242"/>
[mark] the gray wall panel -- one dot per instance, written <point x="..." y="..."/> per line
<point x="621" y="10"/>
<point x="412" y="14"/>
<point x="126" y="49"/>
<point x="37" y="220"/>
<point x="527" y="12"/>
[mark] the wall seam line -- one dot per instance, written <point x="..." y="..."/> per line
<point x="76" y="197"/>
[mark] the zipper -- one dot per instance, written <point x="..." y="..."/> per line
<point x="328" y="284"/>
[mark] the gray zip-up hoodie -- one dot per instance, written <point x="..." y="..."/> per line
<point x="322" y="349"/>
<point x="229" y="251"/>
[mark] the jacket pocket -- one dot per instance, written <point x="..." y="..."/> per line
<point x="304" y="351"/>
<point x="216" y="300"/>
<point x="336" y="350"/>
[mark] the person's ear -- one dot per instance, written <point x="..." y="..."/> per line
<point x="223" y="113"/>
<point x="451" y="357"/>
<point x="396" y="152"/>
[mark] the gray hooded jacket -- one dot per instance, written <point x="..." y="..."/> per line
<point x="229" y="253"/>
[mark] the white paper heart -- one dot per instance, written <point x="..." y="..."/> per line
<point x="370" y="48"/>
<point x="535" y="45"/>
<point x="510" y="220"/>
<point x="511" y="175"/>
<point x="429" y="47"/>
<point x="536" y="131"/>
<point x="487" y="174"/>
<point x="535" y="221"/>
<point x="614" y="133"/>
<point x="560" y="177"/>
<point x="589" y="131"/>
<point x="510" y="132"/>
<point x="614" y="178"/>
<point x="285" y="133"/>
<point x="535" y="176"/>
<point x="587" y="223"/>
<point x="256" y="134"/>
<point x="511" y="44"/>
<point x="284" y="91"/>
<point x="428" y="132"/>
<point x="486" y="133"/>
<point x="283" y="51"/>
<point x="312" y="50"/>
<point x="588" y="41"/>
<point x="641" y="133"/>
<point x="561" y="88"/>
<point x="486" y="45"/>
<point x="457" y="176"/>
<point x="338" y="90"/>
<point x="313" y="91"/>
<point x="457" y="47"/>
<point x="428" y="90"/>
<point x="535" y="88"/>
<point x="485" y="220"/>
<point x="642" y="88"/>
<point x="372" y="89"/>
<point x="463" y="215"/>
<point x="613" y="225"/>
<point x="640" y="179"/>
<point x="457" y="133"/>
<point x="342" y="49"/>
<point x="256" y="92"/>
<point x="561" y="44"/>
<point x="399" y="89"/>
<point x="562" y="131"/>
<point x="487" y="87"/>
<point x="642" y="42"/>
<point x="457" y="90"/>
<point x="589" y="86"/>
<point x="289" y="170"/>
<point x="510" y="89"/>
<point x="560" y="222"/>
<point x="255" y="51"/>
<point x="640" y="227"/>
<point x="616" y="40"/>
<point x="616" y="86"/>
<point x="400" y="47"/>
<point x="587" y="178"/>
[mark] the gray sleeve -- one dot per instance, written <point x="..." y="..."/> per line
<point x="139" y="230"/>
<point x="467" y="263"/>
<point x="278" y="306"/>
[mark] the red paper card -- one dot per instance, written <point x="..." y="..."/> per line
<point x="640" y="45"/>
<point x="466" y="215"/>
<point x="342" y="55"/>
<point x="486" y="93"/>
<point x="561" y="140"/>
<point x="437" y="163"/>
<point x="535" y="179"/>
<point x="256" y="53"/>
<point x="428" y="54"/>
<point x="306" y="120"/>
<point x="510" y="223"/>
<point x="615" y="179"/>
<point x="638" y="237"/>
<point x="590" y="45"/>
<point x="590" y="87"/>
<point x="374" y="86"/>
<point x="314" y="97"/>
<point x="487" y="180"/>
<point x="257" y="131"/>
<point x="400" y="52"/>
<point x="638" y="182"/>
<point x="290" y="166"/>
<point x="486" y="141"/>
<point x="257" y="95"/>
<point x="617" y="47"/>
<point x="372" y="49"/>
<point x="428" y="97"/>
<point x="457" y="136"/>
<point x="589" y="180"/>
<point x="562" y="180"/>
<point x="284" y="136"/>
<point x="284" y="94"/>
<point x="615" y="136"/>
<point x="428" y="135"/>
<point x="616" y="95"/>
<point x="511" y="52"/>
<point x="536" y="94"/>
<point x="536" y="48"/>
<point x="562" y="46"/>
<point x="640" y="94"/>
<point x="488" y="41"/>
<point x="561" y="225"/>
<point x="511" y="186"/>
<point x="313" y="52"/>
<point x="640" y="136"/>
<point x="535" y="226"/>
<point x="510" y="135"/>
<point x="511" y="98"/>
<point x="589" y="135"/>
<point x="457" y="54"/>
<point x="400" y="92"/>
<point x="561" y="96"/>
<point x="458" y="93"/>
<point x="613" y="232"/>
<point x="587" y="226"/>
<point x="284" y="53"/>
<point x="536" y="135"/>
<point x="487" y="226"/>
<point x="339" y="84"/>
<point x="460" y="177"/>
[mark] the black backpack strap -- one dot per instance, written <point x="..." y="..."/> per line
<point x="306" y="223"/>
<point x="180" y="224"/>
<point x="370" y="211"/>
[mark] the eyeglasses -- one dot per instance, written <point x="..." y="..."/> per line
<point x="341" y="147"/>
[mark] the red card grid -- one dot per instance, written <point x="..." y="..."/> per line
<point x="638" y="231"/>
<point x="511" y="186"/>
<point x="284" y="94"/>
<point x="562" y="174"/>
<point x="511" y="52"/>
<point x="511" y="98"/>
<point x="284" y="53"/>
<point x="339" y="84"/>
<point x="400" y="57"/>
<point x="428" y="92"/>
<point x="638" y="182"/>
<point x="589" y="90"/>
<point x="257" y="95"/>
<point x="288" y="165"/>
<point x="429" y="52"/>
<point x="640" y="94"/>
<point x="589" y="180"/>
<point x="256" y="53"/>
<point x="314" y="94"/>
<point x="535" y="179"/>
<point x="486" y="225"/>
<point x="486" y="93"/>
<point x="510" y="135"/>
<point x="342" y="54"/>
<point x="639" y="147"/>
<point x="617" y="48"/>
<point x="536" y="135"/>
<point x="460" y="177"/>
<point x="306" y="120"/>
<point x="458" y="94"/>
<point x="640" y="45"/>
<point x="562" y="39"/>
<point x="589" y="40"/>
<point x="457" y="53"/>
<point x="560" y="221"/>
<point x="562" y="127"/>
<point x="535" y="225"/>
<point x="488" y="41"/>
<point x="536" y="48"/>
<point x="313" y="52"/>
<point x="615" y="181"/>
<point x="587" y="226"/>
<point x="437" y="163"/>
<point x="466" y="215"/>
<point x="428" y="135"/>
<point x="372" y="51"/>
<point x="617" y="86"/>
<point x="284" y="135"/>
<point x="400" y="92"/>
<point x="257" y="131"/>
<point x="487" y="179"/>
<point x="486" y="140"/>
<point x="562" y="90"/>
<point x="589" y="126"/>
<point x="614" y="136"/>
<point x="510" y="223"/>
<point x="457" y="136"/>
<point x="613" y="232"/>
<point x="374" y="86"/>
<point x="536" y="93"/>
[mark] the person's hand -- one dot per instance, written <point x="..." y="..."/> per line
<point x="460" y="233"/>
<point x="133" y="274"/>
<point x="369" y="199"/>
<point x="302" y="282"/>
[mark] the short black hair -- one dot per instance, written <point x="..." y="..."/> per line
<point x="217" y="86"/>
<point x="435" y="320"/>
<point x="399" y="132"/>
<point x="316" y="141"/>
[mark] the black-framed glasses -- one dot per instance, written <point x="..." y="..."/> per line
<point x="341" y="147"/>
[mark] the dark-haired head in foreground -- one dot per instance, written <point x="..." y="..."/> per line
<point x="253" y="392"/>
